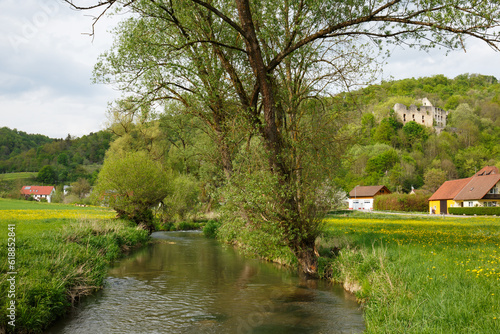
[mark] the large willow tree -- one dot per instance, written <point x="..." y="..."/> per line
<point x="253" y="66"/>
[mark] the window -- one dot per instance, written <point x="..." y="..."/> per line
<point x="493" y="190"/>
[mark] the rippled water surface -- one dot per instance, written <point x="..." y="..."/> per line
<point x="186" y="283"/>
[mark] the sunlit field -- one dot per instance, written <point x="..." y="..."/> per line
<point x="17" y="176"/>
<point x="421" y="274"/>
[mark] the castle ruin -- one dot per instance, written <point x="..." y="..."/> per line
<point x="426" y="114"/>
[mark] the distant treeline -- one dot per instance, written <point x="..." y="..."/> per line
<point x="70" y="157"/>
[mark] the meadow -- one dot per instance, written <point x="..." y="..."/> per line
<point x="17" y="176"/>
<point x="417" y="274"/>
<point x="52" y="255"/>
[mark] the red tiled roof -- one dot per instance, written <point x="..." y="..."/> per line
<point x="471" y="188"/>
<point x="37" y="190"/>
<point x="488" y="170"/>
<point x="449" y="189"/>
<point x="478" y="187"/>
<point x="367" y="191"/>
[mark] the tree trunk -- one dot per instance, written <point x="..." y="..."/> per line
<point x="270" y="131"/>
<point x="307" y="256"/>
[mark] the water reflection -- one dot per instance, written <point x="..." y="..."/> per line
<point x="185" y="283"/>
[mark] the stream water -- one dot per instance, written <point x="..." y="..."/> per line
<point x="185" y="283"/>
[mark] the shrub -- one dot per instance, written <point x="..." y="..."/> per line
<point x="402" y="202"/>
<point x="487" y="211"/>
<point x="186" y="226"/>
<point x="210" y="228"/>
<point x="183" y="202"/>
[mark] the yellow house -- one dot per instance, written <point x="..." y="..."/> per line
<point x="482" y="189"/>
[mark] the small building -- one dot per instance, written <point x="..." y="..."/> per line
<point x="66" y="190"/>
<point x="38" y="192"/>
<point x="361" y="197"/>
<point x="482" y="189"/>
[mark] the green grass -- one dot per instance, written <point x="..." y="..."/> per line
<point x="418" y="274"/>
<point x="14" y="204"/>
<point x="57" y="259"/>
<point x="17" y="176"/>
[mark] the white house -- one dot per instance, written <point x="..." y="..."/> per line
<point x="361" y="197"/>
<point x="39" y="192"/>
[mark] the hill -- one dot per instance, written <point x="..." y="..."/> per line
<point x="13" y="142"/>
<point x="402" y="156"/>
<point x="71" y="158"/>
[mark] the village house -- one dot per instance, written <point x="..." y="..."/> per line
<point x="361" y="197"/>
<point x="38" y="192"/>
<point x="426" y="115"/>
<point x="482" y="189"/>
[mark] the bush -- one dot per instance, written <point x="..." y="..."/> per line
<point x="486" y="211"/>
<point x="402" y="202"/>
<point x="186" y="226"/>
<point x="210" y="229"/>
<point x="183" y="202"/>
<point x="182" y="226"/>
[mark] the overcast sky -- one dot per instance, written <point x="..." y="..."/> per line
<point x="46" y="64"/>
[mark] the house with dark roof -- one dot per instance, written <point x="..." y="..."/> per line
<point x="38" y="192"/>
<point x="482" y="189"/>
<point x="361" y="197"/>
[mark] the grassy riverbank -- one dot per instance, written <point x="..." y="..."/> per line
<point x="418" y="274"/>
<point x="61" y="253"/>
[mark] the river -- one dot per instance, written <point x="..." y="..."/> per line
<point x="186" y="283"/>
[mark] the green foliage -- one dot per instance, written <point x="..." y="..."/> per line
<point x="183" y="200"/>
<point x="417" y="202"/>
<point x="482" y="211"/>
<point x="260" y="242"/>
<point x="210" y="229"/>
<point x="47" y="175"/>
<point x="13" y="142"/>
<point x="72" y="261"/>
<point x="80" y="188"/>
<point x="26" y="152"/>
<point x="414" y="132"/>
<point x="385" y="131"/>
<point x="434" y="178"/>
<point x="132" y="184"/>
<point x="382" y="162"/>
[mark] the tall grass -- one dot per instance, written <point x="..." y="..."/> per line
<point x="58" y="260"/>
<point x="422" y="275"/>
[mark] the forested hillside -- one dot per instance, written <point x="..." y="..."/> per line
<point x="69" y="158"/>
<point x="13" y="142"/>
<point x="386" y="152"/>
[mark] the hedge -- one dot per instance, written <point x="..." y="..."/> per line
<point x="402" y="202"/>
<point x="482" y="211"/>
